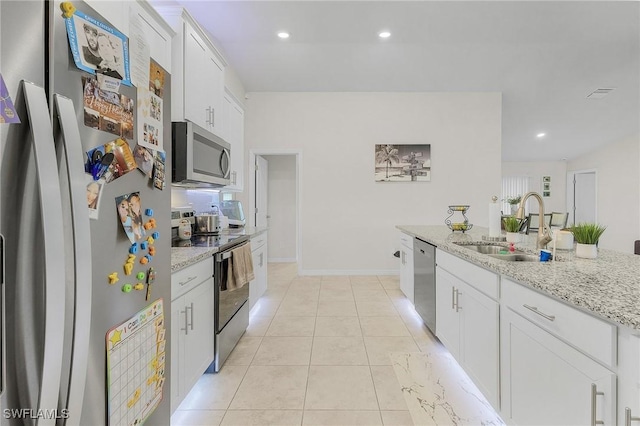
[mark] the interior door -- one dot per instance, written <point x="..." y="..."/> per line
<point x="262" y="184"/>
<point x="584" y="197"/>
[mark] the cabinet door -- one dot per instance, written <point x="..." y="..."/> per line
<point x="198" y="341"/>
<point x="259" y="285"/>
<point x="177" y="351"/>
<point x="447" y="317"/>
<point x="236" y="118"/>
<point x="215" y="79"/>
<point x="197" y="86"/>
<point x="546" y="381"/>
<point x="479" y="345"/>
<point x="406" y="272"/>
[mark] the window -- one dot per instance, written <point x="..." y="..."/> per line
<point x="512" y="186"/>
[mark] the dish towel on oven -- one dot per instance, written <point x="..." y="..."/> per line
<point x="240" y="270"/>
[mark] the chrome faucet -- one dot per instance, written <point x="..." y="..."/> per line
<point x="543" y="231"/>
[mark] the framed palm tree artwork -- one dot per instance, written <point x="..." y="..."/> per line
<point x="403" y="163"/>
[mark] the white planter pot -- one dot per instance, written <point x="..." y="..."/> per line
<point x="513" y="237"/>
<point x="586" y="251"/>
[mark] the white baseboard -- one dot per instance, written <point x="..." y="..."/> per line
<point x="282" y="260"/>
<point x="347" y="272"/>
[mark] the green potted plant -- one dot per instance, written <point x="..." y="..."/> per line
<point x="512" y="226"/>
<point x="513" y="202"/>
<point x="587" y="235"/>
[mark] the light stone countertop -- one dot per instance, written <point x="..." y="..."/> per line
<point x="181" y="257"/>
<point x="608" y="286"/>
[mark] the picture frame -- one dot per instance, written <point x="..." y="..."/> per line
<point x="546" y="186"/>
<point x="94" y="195"/>
<point x="546" y="193"/>
<point x="97" y="47"/>
<point x="402" y="163"/>
<point x="546" y="178"/>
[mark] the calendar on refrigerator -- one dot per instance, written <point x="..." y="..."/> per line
<point x="136" y="366"/>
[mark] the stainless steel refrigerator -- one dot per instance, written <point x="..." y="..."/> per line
<point x="57" y="303"/>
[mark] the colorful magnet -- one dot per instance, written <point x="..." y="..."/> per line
<point x="151" y="239"/>
<point x="152" y="250"/>
<point x="67" y="8"/>
<point x="148" y="212"/>
<point x="131" y="258"/>
<point x="151" y="277"/>
<point x="155" y="235"/>
<point x="134" y="248"/>
<point x="127" y="288"/>
<point x="128" y="268"/>
<point x="139" y="286"/>
<point x="113" y="278"/>
<point x="144" y="260"/>
<point x="143" y="245"/>
<point x="140" y="276"/>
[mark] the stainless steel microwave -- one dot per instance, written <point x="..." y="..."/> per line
<point x="200" y="158"/>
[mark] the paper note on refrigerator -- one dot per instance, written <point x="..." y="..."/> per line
<point x="8" y="113"/>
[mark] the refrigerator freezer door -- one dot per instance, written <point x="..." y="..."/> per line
<point x="73" y="385"/>
<point x="53" y="243"/>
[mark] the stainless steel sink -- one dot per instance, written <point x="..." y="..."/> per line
<point x="501" y="252"/>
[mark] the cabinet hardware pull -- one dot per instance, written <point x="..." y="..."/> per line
<point x="453" y="297"/>
<point x="188" y="280"/>
<point x="628" y="418"/>
<point x="403" y="257"/>
<point x="191" y="325"/>
<point x="213" y="117"/>
<point x="594" y="394"/>
<point x="208" y="115"/>
<point x="535" y="310"/>
<point x="261" y="259"/>
<point x="458" y="301"/>
<point x="186" y="321"/>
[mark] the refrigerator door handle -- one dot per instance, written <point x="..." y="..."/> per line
<point x="53" y="242"/>
<point x="81" y="229"/>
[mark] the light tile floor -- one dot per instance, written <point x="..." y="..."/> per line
<point x="319" y="351"/>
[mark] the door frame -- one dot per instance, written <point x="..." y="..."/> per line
<point x="252" y="191"/>
<point x="571" y="192"/>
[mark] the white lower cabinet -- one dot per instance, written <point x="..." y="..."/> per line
<point x="192" y="327"/>
<point x="406" y="266"/>
<point x="549" y="371"/>
<point x="258" y="286"/>
<point x="467" y="325"/>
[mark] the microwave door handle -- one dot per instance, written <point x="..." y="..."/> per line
<point x="225" y="170"/>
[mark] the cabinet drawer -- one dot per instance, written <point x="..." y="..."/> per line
<point x="406" y="240"/>
<point x="189" y="277"/>
<point x="481" y="279"/>
<point x="591" y="335"/>
<point x="258" y="241"/>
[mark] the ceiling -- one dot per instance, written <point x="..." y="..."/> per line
<point x="545" y="57"/>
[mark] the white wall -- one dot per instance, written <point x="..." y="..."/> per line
<point x="557" y="170"/>
<point x="282" y="208"/>
<point x="200" y="199"/>
<point x="617" y="168"/>
<point x="347" y="220"/>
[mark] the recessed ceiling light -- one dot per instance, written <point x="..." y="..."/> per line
<point x="283" y="34"/>
<point x="541" y="135"/>
<point x="384" y="34"/>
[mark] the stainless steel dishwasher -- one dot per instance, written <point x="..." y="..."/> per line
<point x="424" y="267"/>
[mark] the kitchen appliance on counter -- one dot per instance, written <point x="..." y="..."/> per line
<point x="424" y="284"/>
<point x="232" y="209"/>
<point x="58" y="305"/>
<point x="180" y="213"/>
<point x="200" y="158"/>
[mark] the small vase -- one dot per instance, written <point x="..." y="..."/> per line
<point x="586" y="251"/>
<point x="513" y="237"/>
<point x="514" y="209"/>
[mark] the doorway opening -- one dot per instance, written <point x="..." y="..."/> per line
<point x="582" y="196"/>
<point x="274" y="201"/>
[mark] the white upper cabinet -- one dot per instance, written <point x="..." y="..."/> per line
<point x="198" y="74"/>
<point x="233" y="119"/>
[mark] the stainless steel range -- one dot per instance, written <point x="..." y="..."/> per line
<point x="231" y="311"/>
